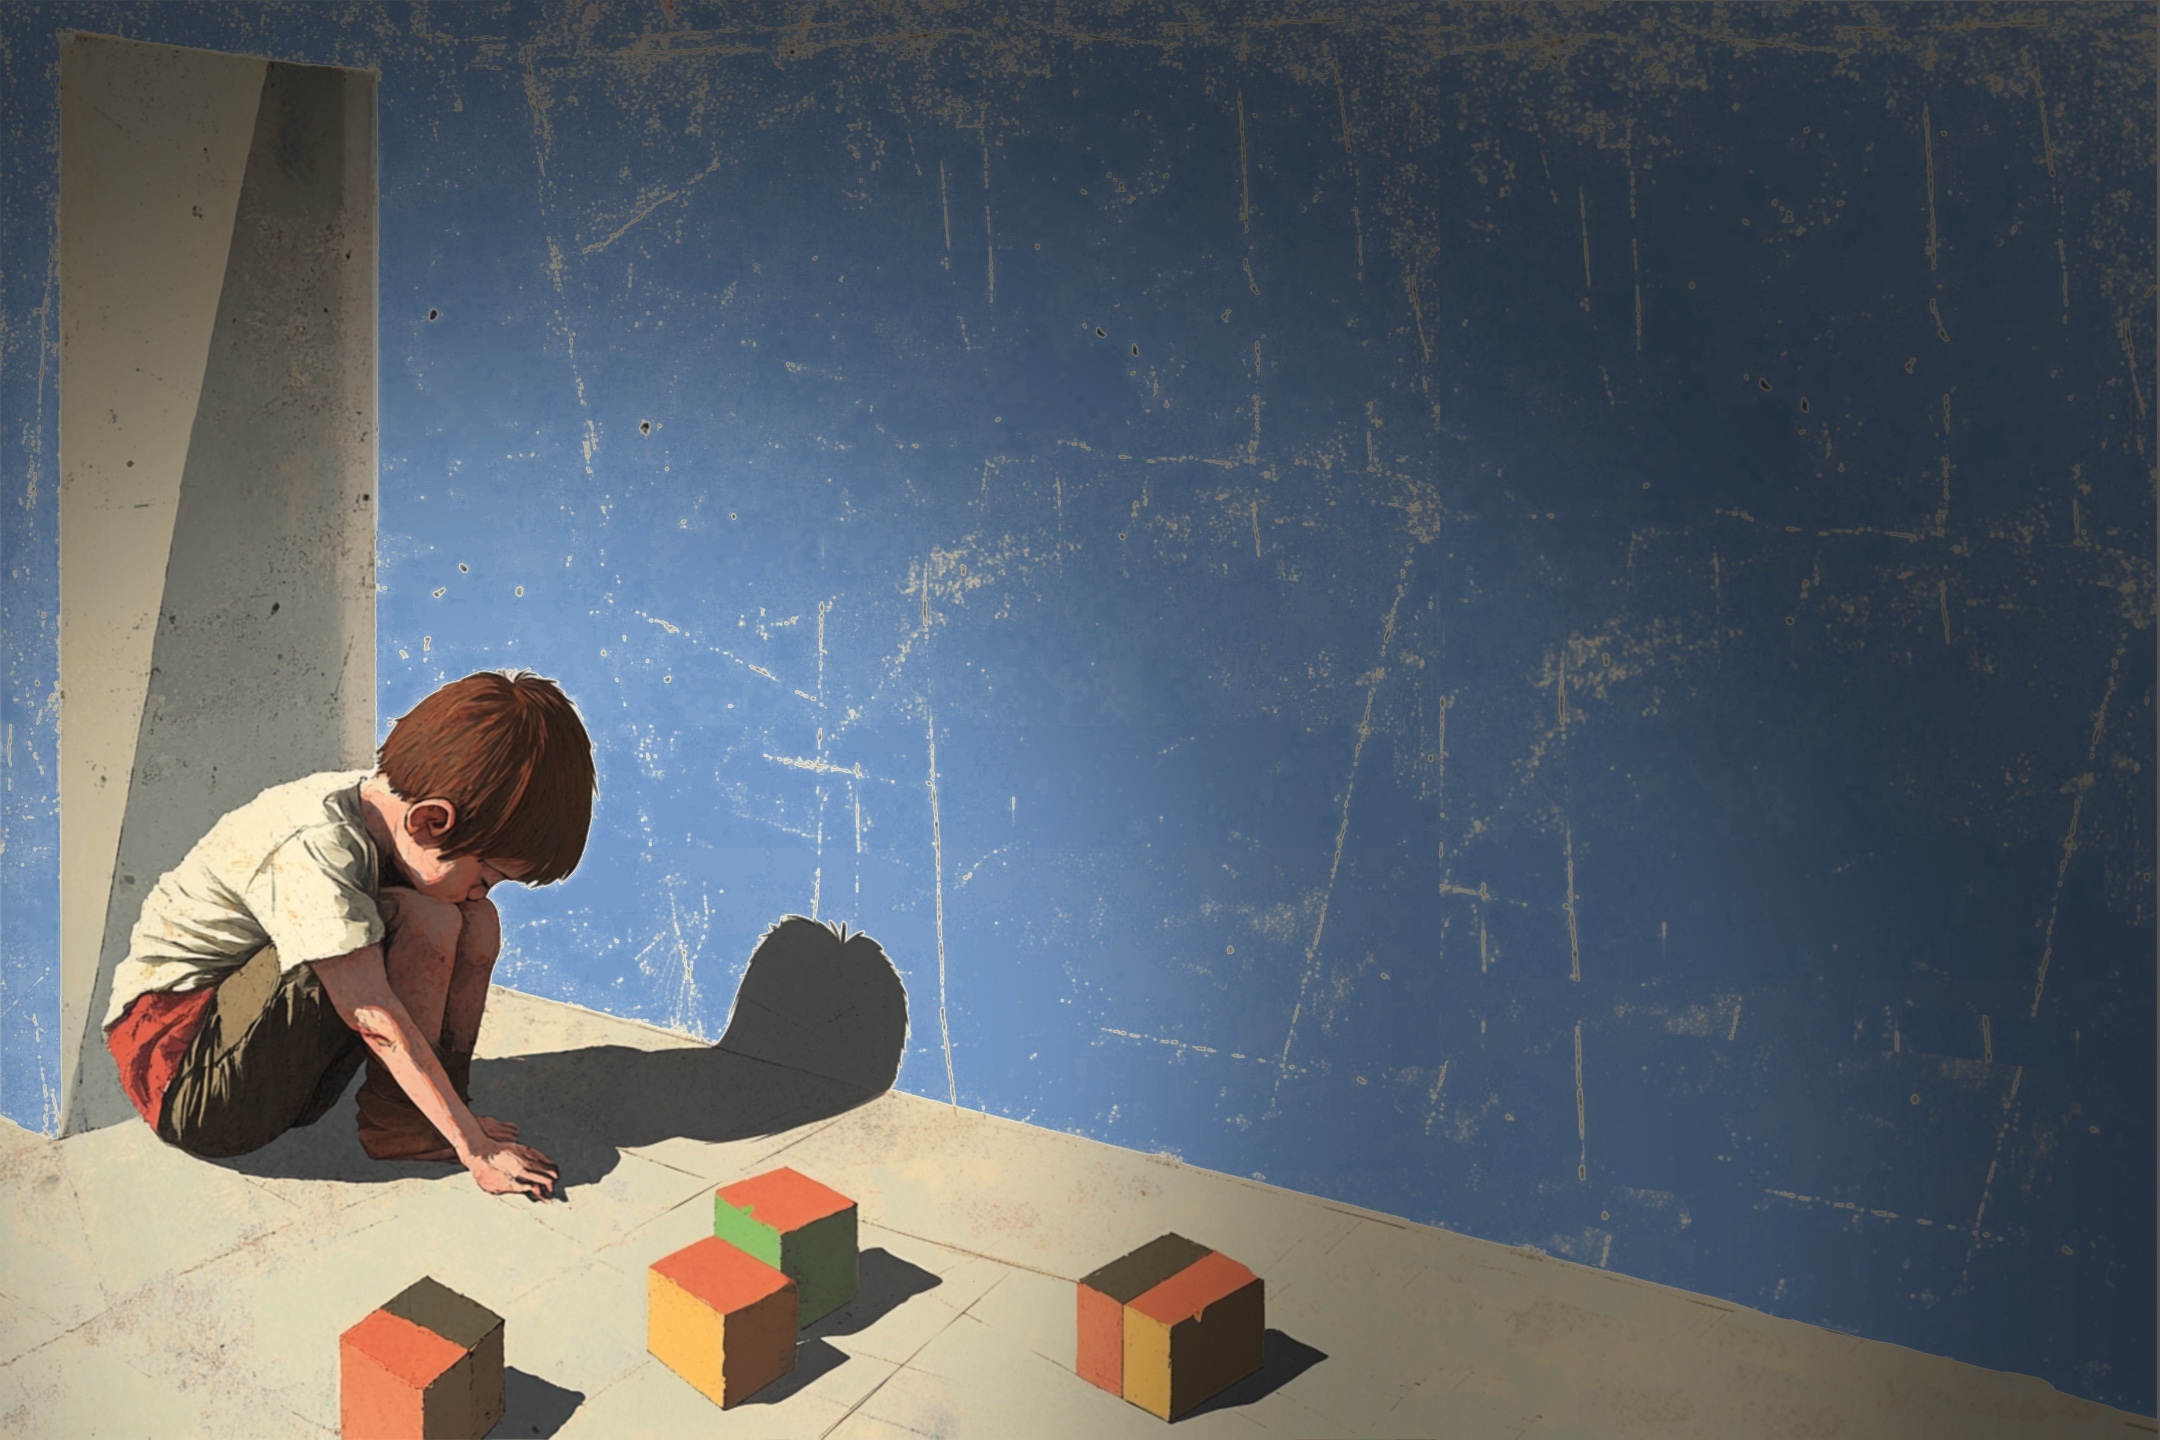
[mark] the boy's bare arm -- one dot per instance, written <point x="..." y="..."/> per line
<point x="359" y="989"/>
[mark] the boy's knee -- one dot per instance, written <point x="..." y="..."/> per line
<point x="480" y="932"/>
<point x="417" y="919"/>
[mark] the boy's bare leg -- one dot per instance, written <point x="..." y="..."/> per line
<point x="419" y="953"/>
<point x="479" y="943"/>
<point x="421" y="958"/>
<point x="465" y="1005"/>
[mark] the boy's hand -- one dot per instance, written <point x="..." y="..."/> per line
<point x="507" y="1168"/>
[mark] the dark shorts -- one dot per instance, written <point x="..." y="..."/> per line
<point x="271" y="1054"/>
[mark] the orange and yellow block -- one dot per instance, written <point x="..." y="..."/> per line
<point x="425" y="1365"/>
<point x="1170" y="1325"/>
<point x="721" y="1319"/>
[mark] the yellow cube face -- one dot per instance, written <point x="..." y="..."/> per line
<point x="1147" y="1363"/>
<point x="721" y="1320"/>
<point x="686" y="1335"/>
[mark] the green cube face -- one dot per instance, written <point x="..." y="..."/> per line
<point x="818" y="1255"/>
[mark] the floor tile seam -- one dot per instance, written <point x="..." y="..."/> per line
<point x="756" y="1156"/>
<point x="657" y="1215"/>
<point x="46" y="1315"/>
<point x="976" y="1254"/>
<point x="47" y="1344"/>
<point x="369" y="1193"/>
<point x="1054" y="1361"/>
<point x="254" y="1182"/>
<point x="117" y="1352"/>
<point x="1283" y="1257"/>
<point x="963" y="1313"/>
<point x="967" y="1311"/>
<point x="888" y="1424"/>
<point x="635" y="1153"/>
<point x="897" y="1369"/>
<point x="82" y="1222"/>
<point x="147" y="1287"/>
<point x="636" y="1363"/>
<point x="1460" y="1381"/>
<point x="315" y="1427"/>
<point x="549" y="1280"/>
<point x="1346" y="1234"/>
<point x="249" y="1243"/>
<point x="600" y="1251"/>
<point x="820" y="1128"/>
<point x="590" y="1400"/>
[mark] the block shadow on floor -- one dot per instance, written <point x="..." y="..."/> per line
<point x="533" y="1406"/>
<point x="1282" y="1359"/>
<point x="884" y="1283"/>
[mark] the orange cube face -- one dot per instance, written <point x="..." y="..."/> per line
<point x="720" y="1319"/>
<point x="1102" y="1339"/>
<point x="428" y="1363"/>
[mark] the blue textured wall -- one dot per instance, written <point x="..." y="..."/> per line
<point x="1538" y="619"/>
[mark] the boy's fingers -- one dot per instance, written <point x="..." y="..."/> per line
<point x="534" y="1163"/>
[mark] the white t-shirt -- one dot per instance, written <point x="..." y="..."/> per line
<point x="295" y="867"/>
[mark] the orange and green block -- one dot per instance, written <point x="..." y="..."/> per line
<point x="425" y="1365"/>
<point x="721" y="1319"/>
<point x="801" y="1228"/>
<point x="1170" y="1325"/>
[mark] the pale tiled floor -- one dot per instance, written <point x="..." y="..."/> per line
<point x="144" y="1293"/>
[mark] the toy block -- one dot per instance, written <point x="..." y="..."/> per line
<point x="426" y="1365"/>
<point x="721" y="1319"/>
<point x="803" y="1229"/>
<point x="1194" y="1335"/>
<point x="1104" y="1295"/>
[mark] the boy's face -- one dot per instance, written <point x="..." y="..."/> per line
<point x="468" y="877"/>
<point x="457" y="879"/>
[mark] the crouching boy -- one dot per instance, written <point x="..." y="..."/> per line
<point x="343" y="920"/>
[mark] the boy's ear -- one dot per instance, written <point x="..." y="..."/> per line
<point x="429" y="820"/>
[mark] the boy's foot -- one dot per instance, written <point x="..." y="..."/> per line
<point x="416" y="1139"/>
<point x="422" y="1142"/>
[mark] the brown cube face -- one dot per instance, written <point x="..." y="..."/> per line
<point x="428" y="1363"/>
<point x="1194" y="1336"/>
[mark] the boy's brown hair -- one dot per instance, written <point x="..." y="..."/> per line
<point x="509" y="752"/>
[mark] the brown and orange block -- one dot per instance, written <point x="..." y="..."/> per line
<point x="721" y="1319"/>
<point x="1170" y="1325"/>
<point x="427" y="1363"/>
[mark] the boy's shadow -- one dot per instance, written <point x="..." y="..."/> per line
<point x="818" y="1027"/>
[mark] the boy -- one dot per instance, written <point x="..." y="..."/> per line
<point x="344" y="918"/>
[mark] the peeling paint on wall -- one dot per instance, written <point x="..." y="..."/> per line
<point x="1530" y="612"/>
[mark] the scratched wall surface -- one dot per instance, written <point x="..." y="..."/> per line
<point x="1535" y="618"/>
